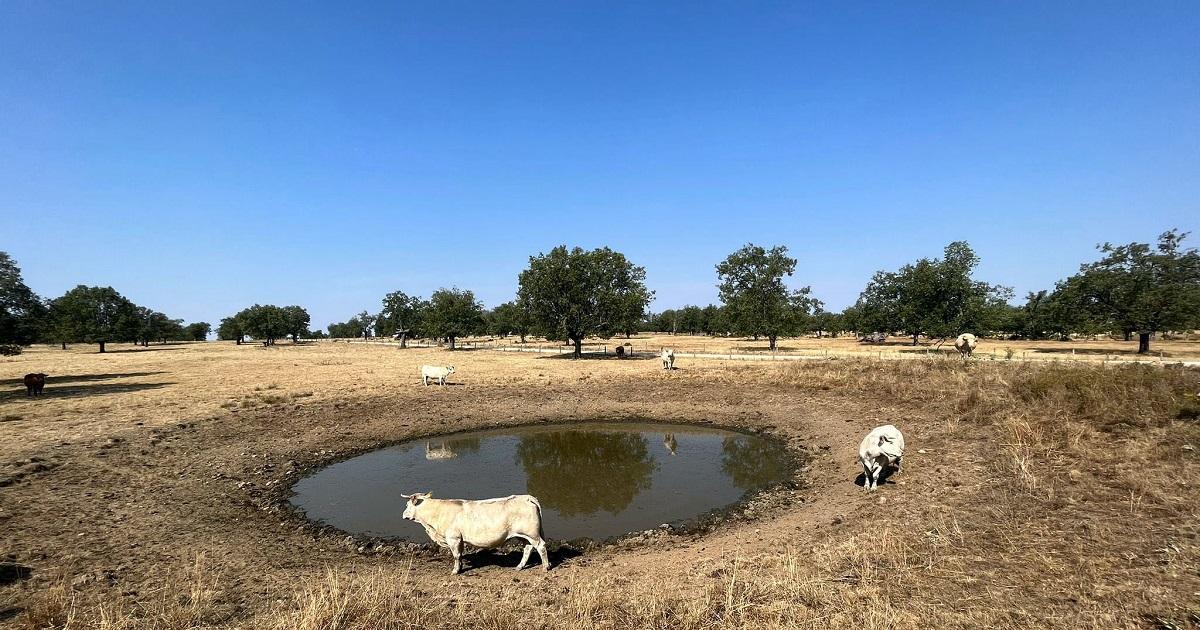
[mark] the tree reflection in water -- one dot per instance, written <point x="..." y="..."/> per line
<point x="752" y="463"/>
<point x="580" y="472"/>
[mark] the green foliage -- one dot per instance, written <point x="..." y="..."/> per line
<point x="155" y="326"/>
<point x="266" y="323"/>
<point x="572" y="294"/>
<point x="93" y="315"/>
<point x="360" y="325"/>
<point x="296" y="322"/>
<point x="452" y="313"/>
<point x="508" y="319"/>
<point x="232" y="328"/>
<point x="933" y="297"/>
<point x="1143" y="289"/>
<point x="22" y="314"/>
<point x="401" y="315"/>
<point x="756" y="300"/>
<point x="197" y="331"/>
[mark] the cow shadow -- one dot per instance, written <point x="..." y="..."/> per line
<point x="884" y="477"/>
<point x="53" y="390"/>
<point x="85" y="378"/>
<point x="509" y="557"/>
<point x="143" y="349"/>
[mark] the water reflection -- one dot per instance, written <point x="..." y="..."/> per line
<point x="581" y="472"/>
<point x="449" y="449"/>
<point x="752" y="463"/>
<point x="670" y="443"/>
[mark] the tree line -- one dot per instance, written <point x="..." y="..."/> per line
<point x="94" y="315"/>
<point x="570" y="294"/>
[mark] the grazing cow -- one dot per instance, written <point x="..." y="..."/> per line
<point x="34" y="384"/>
<point x="436" y="373"/>
<point x="883" y="447"/>
<point x="965" y="344"/>
<point x="485" y="524"/>
<point x="668" y="359"/>
<point x="620" y="351"/>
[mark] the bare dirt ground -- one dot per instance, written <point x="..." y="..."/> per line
<point x="143" y="490"/>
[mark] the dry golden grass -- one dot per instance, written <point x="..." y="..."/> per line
<point x="1052" y="495"/>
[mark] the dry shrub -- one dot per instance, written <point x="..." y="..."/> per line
<point x="189" y="600"/>
<point x="840" y="584"/>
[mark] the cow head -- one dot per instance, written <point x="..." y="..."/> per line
<point x="415" y="499"/>
<point x="450" y="369"/>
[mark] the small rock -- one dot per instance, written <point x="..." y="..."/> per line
<point x="1188" y="447"/>
<point x="921" y="450"/>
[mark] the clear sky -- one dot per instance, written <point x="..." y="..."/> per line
<point x="203" y="156"/>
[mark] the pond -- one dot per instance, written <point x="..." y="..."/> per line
<point x="593" y="480"/>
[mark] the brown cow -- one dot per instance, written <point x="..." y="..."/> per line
<point x="34" y="384"/>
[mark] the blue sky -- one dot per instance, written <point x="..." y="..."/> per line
<point x="201" y="157"/>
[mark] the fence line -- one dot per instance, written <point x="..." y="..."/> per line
<point x="555" y="349"/>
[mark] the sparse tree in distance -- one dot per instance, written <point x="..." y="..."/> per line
<point x="296" y="321"/>
<point x="1143" y="289"/>
<point x="233" y="328"/>
<point x="571" y="294"/>
<point x="197" y="331"/>
<point x="508" y="319"/>
<point x="400" y="316"/>
<point x="22" y="314"/>
<point x="756" y="300"/>
<point x="453" y="313"/>
<point x="266" y="323"/>
<point x="96" y="315"/>
<point x="932" y="297"/>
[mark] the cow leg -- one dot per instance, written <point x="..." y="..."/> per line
<point x="541" y="549"/>
<point x="455" y="545"/>
<point x="426" y="379"/>
<point x="525" y="556"/>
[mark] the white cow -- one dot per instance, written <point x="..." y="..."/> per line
<point x="965" y="344"/>
<point x="485" y="524"/>
<point x="436" y="373"/>
<point x="668" y="359"/>
<point x="883" y="447"/>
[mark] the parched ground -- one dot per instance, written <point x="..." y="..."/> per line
<point x="143" y="490"/>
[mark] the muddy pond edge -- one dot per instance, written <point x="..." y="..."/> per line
<point x="752" y="506"/>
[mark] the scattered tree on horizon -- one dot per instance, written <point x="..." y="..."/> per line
<point x="22" y="313"/>
<point x="572" y="294"/>
<point x="96" y="315"/>
<point x="1143" y="289"/>
<point x="932" y="297"/>
<point x="400" y="316"/>
<point x="296" y="322"/>
<point x="756" y="301"/>
<point x="266" y="323"/>
<point x="197" y="331"/>
<point x="232" y="328"/>
<point x="452" y="313"/>
<point x="508" y="319"/>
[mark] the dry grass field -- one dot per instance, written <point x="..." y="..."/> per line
<point x="147" y="489"/>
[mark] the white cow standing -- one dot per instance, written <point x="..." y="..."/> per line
<point x="485" y="524"/>
<point x="965" y="344"/>
<point x="668" y="359"/>
<point x="883" y="447"/>
<point x="436" y="372"/>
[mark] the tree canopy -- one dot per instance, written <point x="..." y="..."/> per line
<point x="401" y="316"/>
<point x="452" y="313"/>
<point x="572" y="294"/>
<point x="96" y="315"/>
<point x="22" y="313"/>
<point x="932" y="297"/>
<point x="1142" y="288"/>
<point x="757" y="302"/>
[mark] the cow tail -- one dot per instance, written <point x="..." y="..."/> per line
<point x="538" y="505"/>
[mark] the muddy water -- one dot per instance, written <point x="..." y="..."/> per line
<point x="593" y="480"/>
